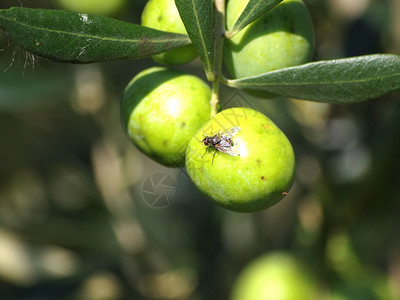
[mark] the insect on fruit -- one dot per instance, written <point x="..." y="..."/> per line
<point x="222" y="141"/>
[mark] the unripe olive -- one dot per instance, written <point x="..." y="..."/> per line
<point x="253" y="173"/>
<point x="106" y="8"/>
<point x="281" y="38"/>
<point x="163" y="15"/>
<point x="278" y="276"/>
<point x="162" y="109"/>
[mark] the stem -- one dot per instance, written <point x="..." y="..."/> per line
<point x="219" y="33"/>
<point x="214" y="97"/>
<point x="231" y="34"/>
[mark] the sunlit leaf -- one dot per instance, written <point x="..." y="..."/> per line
<point x="68" y="36"/>
<point x="342" y="81"/>
<point x="197" y="15"/>
<point x="253" y="10"/>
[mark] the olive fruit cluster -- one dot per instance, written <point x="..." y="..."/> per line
<point x="239" y="158"/>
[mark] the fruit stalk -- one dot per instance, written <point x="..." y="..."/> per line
<point x="219" y="33"/>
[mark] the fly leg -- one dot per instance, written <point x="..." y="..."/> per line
<point x="212" y="162"/>
<point x="205" y="152"/>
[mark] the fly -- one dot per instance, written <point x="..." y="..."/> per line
<point x="222" y="142"/>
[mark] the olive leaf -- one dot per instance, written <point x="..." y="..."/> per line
<point x="197" y="16"/>
<point x="340" y="81"/>
<point x="72" y="37"/>
<point x="254" y="10"/>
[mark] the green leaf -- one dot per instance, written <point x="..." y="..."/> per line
<point x="341" y="81"/>
<point x="253" y="10"/>
<point x="72" y="37"/>
<point x="197" y="15"/>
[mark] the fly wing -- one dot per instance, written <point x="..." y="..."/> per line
<point x="231" y="132"/>
<point x="235" y="130"/>
<point x="225" y="144"/>
<point x="227" y="148"/>
<point x="225" y="141"/>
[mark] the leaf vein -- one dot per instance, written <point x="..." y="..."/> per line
<point x="243" y="84"/>
<point x="91" y="36"/>
<point x="247" y="17"/>
<point x="203" y="44"/>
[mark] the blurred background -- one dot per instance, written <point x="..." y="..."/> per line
<point x="76" y="216"/>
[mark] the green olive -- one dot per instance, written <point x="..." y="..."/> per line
<point x="106" y="8"/>
<point x="162" y="109"/>
<point x="163" y="15"/>
<point x="277" y="276"/>
<point x="254" y="173"/>
<point x="281" y="38"/>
